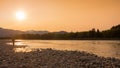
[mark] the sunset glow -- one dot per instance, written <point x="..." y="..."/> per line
<point x="20" y="15"/>
<point x="57" y="15"/>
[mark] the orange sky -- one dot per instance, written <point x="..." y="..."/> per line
<point x="57" y="15"/>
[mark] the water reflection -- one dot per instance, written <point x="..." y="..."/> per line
<point x="17" y="43"/>
<point x="20" y="46"/>
<point x="99" y="47"/>
<point x="26" y="49"/>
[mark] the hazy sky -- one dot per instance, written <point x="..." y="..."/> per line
<point x="56" y="15"/>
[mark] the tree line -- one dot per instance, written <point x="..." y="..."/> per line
<point x="112" y="33"/>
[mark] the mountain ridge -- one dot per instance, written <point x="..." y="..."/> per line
<point x="10" y="32"/>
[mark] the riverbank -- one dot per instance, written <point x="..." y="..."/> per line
<point x="63" y="39"/>
<point x="49" y="58"/>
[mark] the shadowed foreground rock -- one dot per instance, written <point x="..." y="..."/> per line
<point x="48" y="58"/>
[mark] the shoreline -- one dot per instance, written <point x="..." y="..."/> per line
<point x="69" y="39"/>
<point x="49" y="58"/>
<point x="65" y="39"/>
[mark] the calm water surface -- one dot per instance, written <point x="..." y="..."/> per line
<point x="106" y="48"/>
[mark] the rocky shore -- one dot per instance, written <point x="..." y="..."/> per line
<point x="49" y="58"/>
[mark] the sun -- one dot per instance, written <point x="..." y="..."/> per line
<point x="20" y="15"/>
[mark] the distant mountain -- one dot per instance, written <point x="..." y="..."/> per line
<point x="60" y="32"/>
<point x="36" y="32"/>
<point x="44" y="32"/>
<point x="9" y="32"/>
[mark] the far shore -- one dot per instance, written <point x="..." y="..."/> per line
<point x="65" y="39"/>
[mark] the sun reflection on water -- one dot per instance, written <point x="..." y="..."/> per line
<point x="21" y="47"/>
<point x="18" y="43"/>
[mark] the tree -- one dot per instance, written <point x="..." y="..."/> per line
<point x="92" y="33"/>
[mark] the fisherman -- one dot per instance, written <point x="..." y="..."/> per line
<point x="13" y="41"/>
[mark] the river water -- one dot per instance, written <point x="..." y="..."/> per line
<point x="106" y="48"/>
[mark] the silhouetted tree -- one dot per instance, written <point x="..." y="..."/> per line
<point x="98" y="34"/>
<point x="92" y="33"/>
